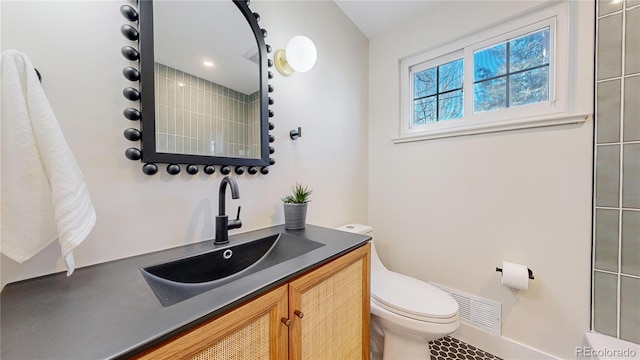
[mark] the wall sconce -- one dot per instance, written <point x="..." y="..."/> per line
<point x="300" y="55"/>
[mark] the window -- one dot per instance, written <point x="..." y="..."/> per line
<point x="514" y="75"/>
<point x="437" y="93"/>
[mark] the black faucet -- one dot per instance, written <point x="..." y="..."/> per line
<point x="223" y="224"/>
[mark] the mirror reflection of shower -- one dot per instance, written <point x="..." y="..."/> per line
<point x="207" y="88"/>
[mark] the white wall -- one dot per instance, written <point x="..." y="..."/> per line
<point x="450" y="210"/>
<point x="76" y="47"/>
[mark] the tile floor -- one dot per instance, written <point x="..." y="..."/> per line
<point x="449" y="348"/>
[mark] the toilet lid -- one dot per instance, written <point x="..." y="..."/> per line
<point x="411" y="297"/>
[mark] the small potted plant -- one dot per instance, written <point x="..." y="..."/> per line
<point x="295" y="207"/>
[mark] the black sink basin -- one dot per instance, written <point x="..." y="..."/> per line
<point x="214" y="265"/>
<point x="181" y="279"/>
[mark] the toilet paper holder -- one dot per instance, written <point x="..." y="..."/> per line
<point x="529" y="270"/>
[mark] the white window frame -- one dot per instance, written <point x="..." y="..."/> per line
<point x="556" y="111"/>
<point x="428" y="65"/>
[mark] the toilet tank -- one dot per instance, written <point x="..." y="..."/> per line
<point x="376" y="264"/>
<point x="357" y="228"/>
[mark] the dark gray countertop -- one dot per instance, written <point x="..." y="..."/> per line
<point x="109" y="311"/>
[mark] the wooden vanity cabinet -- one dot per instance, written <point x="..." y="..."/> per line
<point x="251" y="331"/>
<point x="323" y="314"/>
<point x="329" y="308"/>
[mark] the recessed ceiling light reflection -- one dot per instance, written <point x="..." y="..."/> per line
<point x="207" y="63"/>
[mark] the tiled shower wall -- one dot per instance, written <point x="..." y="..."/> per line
<point x="253" y="140"/>
<point x="196" y="116"/>
<point x="616" y="263"/>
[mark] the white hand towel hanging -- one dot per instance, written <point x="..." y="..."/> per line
<point x="44" y="195"/>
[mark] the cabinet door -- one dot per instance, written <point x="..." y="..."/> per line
<point x="329" y="309"/>
<point x="251" y="331"/>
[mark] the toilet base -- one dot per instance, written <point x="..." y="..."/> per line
<point x="403" y="347"/>
<point x="377" y="341"/>
<point x="404" y="339"/>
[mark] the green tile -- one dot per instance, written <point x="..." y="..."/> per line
<point x="161" y="119"/>
<point x="609" y="47"/>
<point x="180" y="96"/>
<point x="171" y="121"/>
<point x="171" y="93"/>
<point x="161" y="93"/>
<point x="180" y="122"/>
<point x="630" y="309"/>
<point x="608" y="175"/>
<point x="180" y="76"/>
<point x="162" y="70"/>
<point x="632" y="42"/>
<point x="180" y="144"/>
<point x="630" y="261"/>
<point x="193" y="133"/>
<point x="171" y="141"/>
<point x="202" y="95"/>
<point x="608" y="112"/>
<point x="631" y="176"/>
<point x="207" y="103"/>
<point x="208" y="86"/>
<point x="606" y="242"/>
<point x="608" y="6"/>
<point x="605" y="303"/>
<point x="631" y="130"/>
<point x="161" y="145"/>
<point x="186" y="98"/>
<point x="193" y="97"/>
<point x="193" y="147"/>
<point x="202" y="123"/>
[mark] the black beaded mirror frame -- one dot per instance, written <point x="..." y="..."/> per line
<point x="145" y="77"/>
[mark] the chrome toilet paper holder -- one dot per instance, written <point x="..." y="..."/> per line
<point x="529" y="270"/>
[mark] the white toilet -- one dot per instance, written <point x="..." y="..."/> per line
<point x="406" y="313"/>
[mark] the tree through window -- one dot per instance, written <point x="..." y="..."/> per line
<point x="438" y="93"/>
<point x="513" y="73"/>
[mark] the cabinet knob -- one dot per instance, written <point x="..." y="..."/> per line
<point x="299" y="314"/>
<point x="286" y="321"/>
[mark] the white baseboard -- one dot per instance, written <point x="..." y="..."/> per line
<point x="498" y="345"/>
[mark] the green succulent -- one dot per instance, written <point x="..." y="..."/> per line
<point x="299" y="195"/>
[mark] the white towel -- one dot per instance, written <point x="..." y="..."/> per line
<point x="44" y="195"/>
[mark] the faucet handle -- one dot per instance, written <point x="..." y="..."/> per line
<point x="237" y="223"/>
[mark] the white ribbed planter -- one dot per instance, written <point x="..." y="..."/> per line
<point x="295" y="216"/>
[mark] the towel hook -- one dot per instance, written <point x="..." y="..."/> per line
<point x="294" y="134"/>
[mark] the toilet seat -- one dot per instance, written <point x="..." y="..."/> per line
<point x="412" y="298"/>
